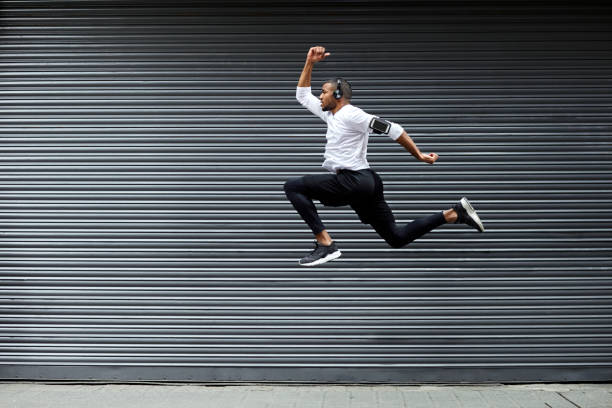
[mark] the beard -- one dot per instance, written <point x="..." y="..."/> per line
<point x="329" y="106"/>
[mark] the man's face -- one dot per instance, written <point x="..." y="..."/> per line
<point x="328" y="102"/>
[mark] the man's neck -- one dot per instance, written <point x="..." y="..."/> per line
<point x="339" y="106"/>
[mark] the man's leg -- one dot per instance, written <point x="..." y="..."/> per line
<point x="301" y="195"/>
<point x="400" y="236"/>
<point x="296" y="192"/>
<point x="376" y="212"/>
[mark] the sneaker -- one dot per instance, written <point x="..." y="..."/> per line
<point x="321" y="254"/>
<point x="467" y="215"/>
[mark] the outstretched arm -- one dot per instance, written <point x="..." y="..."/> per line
<point x="409" y="145"/>
<point x="315" y="54"/>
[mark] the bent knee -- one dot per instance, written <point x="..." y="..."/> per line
<point x="289" y="186"/>
<point x="293" y="185"/>
<point x="396" y="243"/>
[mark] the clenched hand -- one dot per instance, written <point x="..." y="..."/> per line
<point x="316" y="54"/>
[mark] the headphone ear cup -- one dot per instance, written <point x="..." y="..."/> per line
<point x="338" y="91"/>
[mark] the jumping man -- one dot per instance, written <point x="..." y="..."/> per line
<point x="350" y="180"/>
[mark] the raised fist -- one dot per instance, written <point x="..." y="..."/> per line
<point x="316" y="54"/>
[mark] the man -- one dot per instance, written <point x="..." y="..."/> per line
<point x="351" y="181"/>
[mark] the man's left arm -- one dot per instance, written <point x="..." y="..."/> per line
<point x="409" y="145"/>
<point x="364" y="121"/>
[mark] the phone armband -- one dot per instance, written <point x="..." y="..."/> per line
<point x="380" y="126"/>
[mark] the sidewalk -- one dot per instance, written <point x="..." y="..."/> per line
<point x="43" y="395"/>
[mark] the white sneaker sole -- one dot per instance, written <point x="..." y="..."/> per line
<point x="328" y="258"/>
<point x="472" y="213"/>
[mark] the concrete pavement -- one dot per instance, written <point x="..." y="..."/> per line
<point x="58" y="395"/>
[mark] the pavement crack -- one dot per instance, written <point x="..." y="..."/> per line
<point x="568" y="400"/>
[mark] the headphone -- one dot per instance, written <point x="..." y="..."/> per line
<point x="338" y="91"/>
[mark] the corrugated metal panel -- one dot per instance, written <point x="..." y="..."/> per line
<point x="145" y="233"/>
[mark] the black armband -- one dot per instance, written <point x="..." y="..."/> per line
<point x="380" y="126"/>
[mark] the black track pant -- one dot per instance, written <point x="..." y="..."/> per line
<point x="363" y="191"/>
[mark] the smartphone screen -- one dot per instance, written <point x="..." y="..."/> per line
<point x="380" y="126"/>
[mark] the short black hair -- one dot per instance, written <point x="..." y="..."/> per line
<point x="347" y="91"/>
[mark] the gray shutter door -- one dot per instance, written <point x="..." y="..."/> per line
<point x="146" y="236"/>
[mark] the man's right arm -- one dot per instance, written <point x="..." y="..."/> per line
<point x="306" y="75"/>
<point x="303" y="93"/>
<point x="315" y="54"/>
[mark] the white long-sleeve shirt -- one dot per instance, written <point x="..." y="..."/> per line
<point x="347" y="133"/>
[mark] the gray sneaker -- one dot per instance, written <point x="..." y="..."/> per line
<point x="321" y="254"/>
<point x="466" y="214"/>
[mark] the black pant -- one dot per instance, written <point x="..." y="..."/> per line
<point x="363" y="191"/>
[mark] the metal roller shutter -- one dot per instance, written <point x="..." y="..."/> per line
<point x="146" y="236"/>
